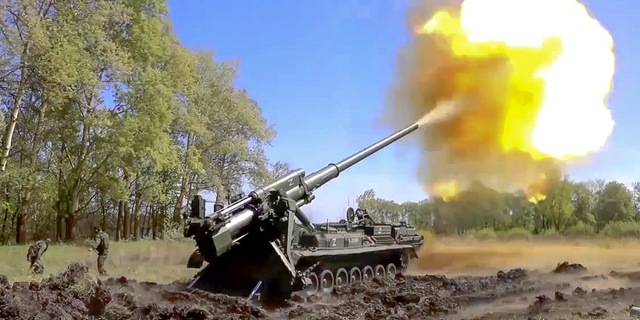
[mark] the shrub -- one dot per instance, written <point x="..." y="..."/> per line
<point x="580" y="229"/>
<point x="170" y="229"/>
<point x="483" y="234"/>
<point x="622" y="229"/>
<point x="516" y="233"/>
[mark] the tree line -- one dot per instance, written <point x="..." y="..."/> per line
<point x="110" y="121"/>
<point x="570" y="207"/>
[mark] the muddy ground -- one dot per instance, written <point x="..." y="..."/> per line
<point x="570" y="291"/>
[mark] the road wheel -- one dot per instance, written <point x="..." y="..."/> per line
<point x="342" y="277"/>
<point x="326" y="281"/>
<point x="367" y="274"/>
<point x="380" y="272"/>
<point x="313" y="286"/>
<point x="391" y="271"/>
<point x="355" y="275"/>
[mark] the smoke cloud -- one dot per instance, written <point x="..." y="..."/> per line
<point x="469" y="145"/>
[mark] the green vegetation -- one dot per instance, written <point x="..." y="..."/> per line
<point x="570" y="209"/>
<point x="159" y="261"/>
<point x="108" y="120"/>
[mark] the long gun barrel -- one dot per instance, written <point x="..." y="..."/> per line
<point x="234" y="220"/>
<point x="295" y="182"/>
<point x="331" y="171"/>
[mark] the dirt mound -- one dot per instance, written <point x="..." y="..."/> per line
<point x="74" y="295"/>
<point x="514" y="294"/>
<point x="399" y="298"/>
<point x="58" y="297"/>
<point x="633" y="276"/>
<point x="567" y="267"/>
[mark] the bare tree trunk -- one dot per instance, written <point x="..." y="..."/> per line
<point x="59" y="232"/>
<point x="16" y="110"/>
<point x="21" y="229"/>
<point x="183" y="187"/>
<point x="74" y="204"/>
<point x="119" y="221"/>
<point x="183" y="191"/>
<point x="25" y="207"/>
<point x="70" y="232"/>
<point x="60" y="205"/>
<point x="4" y="225"/>
<point x="154" y="223"/>
<point x="125" y="221"/>
<point x="145" y="222"/>
<point x="103" y="209"/>
<point x="164" y="213"/>
<point x="136" y="213"/>
<point x="125" y="233"/>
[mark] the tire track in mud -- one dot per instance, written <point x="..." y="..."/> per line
<point x="568" y="292"/>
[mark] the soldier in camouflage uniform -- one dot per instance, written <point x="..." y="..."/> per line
<point x="34" y="254"/>
<point x="364" y="218"/>
<point x="102" y="248"/>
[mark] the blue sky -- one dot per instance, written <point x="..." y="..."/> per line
<point x="320" y="71"/>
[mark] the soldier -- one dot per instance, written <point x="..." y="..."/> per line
<point x="237" y="197"/>
<point x="364" y="219"/>
<point x="34" y="254"/>
<point x="102" y="248"/>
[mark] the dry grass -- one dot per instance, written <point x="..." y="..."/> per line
<point x="159" y="261"/>
<point x="468" y="256"/>
<point x="165" y="261"/>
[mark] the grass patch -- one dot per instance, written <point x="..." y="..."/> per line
<point x="580" y="229"/>
<point x="158" y="261"/>
<point x="165" y="261"/>
<point x="622" y="229"/>
<point x="465" y="255"/>
<point x="515" y="233"/>
<point x="484" y="234"/>
<point x="550" y="233"/>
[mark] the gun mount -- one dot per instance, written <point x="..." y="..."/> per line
<point x="255" y="243"/>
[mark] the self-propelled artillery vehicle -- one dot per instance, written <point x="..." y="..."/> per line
<point x="255" y="243"/>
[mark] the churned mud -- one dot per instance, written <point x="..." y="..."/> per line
<point x="569" y="291"/>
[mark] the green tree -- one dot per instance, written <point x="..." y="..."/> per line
<point x="23" y="25"/>
<point x="615" y="204"/>
<point x="221" y="133"/>
<point x="381" y="210"/>
<point x="521" y="210"/>
<point x="584" y="202"/>
<point x="111" y="121"/>
<point x="636" y="199"/>
<point x="558" y="207"/>
<point x="273" y="172"/>
<point x="420" y="214"/>
<point x="480" y="206"/>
